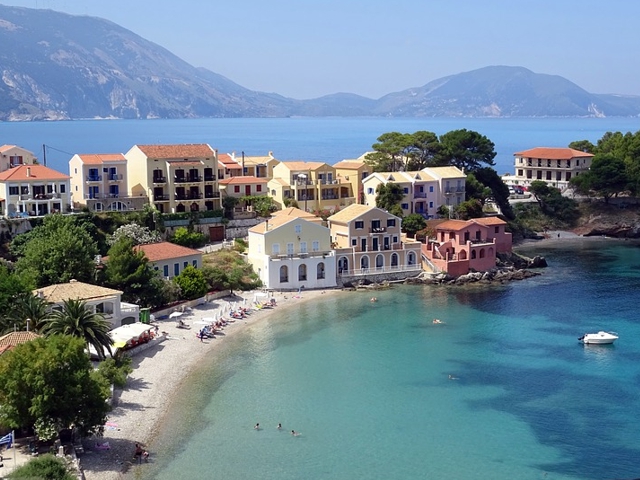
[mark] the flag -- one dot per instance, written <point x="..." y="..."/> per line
<point x="8" y="438"/>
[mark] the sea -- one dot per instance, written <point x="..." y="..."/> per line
<point x="308" y="139"/>
<point x="501" y="390"/>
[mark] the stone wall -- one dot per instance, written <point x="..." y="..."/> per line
<point x="240" y="228"/>
<point x="352" y="280"/>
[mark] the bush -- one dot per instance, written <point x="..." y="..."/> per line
<point x="115" y="371"/>
<point x="186" y="238"/>
<point x="192" y="283"/>
<point x="45" y="467"/>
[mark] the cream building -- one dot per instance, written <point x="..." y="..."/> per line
<point x="354" y="171"/>
<point x="555" y="166"/>
<point x="257" y="166"/>
<point x="14" y="156"/>
<point x="100" y="182"/>
<point x="313" y="185"/>
<point x="368" y="240"/>
<point x="33" y="190"/>
<point x="176" y="178"/>
<point x="289" y="253"/>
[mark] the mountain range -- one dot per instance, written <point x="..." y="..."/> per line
<point x="57" y="66"/>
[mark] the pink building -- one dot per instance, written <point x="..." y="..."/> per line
<point x="462" y="246"/>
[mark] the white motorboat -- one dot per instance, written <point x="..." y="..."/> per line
<point x="600" y="338"/>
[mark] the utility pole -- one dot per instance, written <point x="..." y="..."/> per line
<point x="44" y="154"/>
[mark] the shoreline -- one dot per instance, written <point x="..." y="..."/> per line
<point x="158" y="373"/>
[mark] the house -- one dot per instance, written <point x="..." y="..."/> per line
<point x="100" y="182"/>
<point x="425" y="191"/>
<point x="462" y="246"/>
<point x="367" y="241"/>
<point x="354" y="171"/>
<point x="293" y="212"/>
<point x="14" y="156"/>
<point x="170" y="259"/>
<point x="243" y="186"/>
<point x="258" y="166"/>
<point x="30" y="190"/>
<point x="555" y="166"/>
<point x="228" y="167"/>
<point x="13" y="339"/>
<point x="176" y="178"/>
<point x="289" y="253"/>
<point x="313" y="185"/>
<point x="105" y="301"/>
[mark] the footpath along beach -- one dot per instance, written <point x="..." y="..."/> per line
<point x="156" y="378"/>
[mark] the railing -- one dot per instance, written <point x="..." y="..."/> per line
<point x="194" y="178"/>
<point x="419" y="195"/>
<point x="285" y="256"/>
<point x="211" y="194"/>
<point x="377" y="229"/>
<point x="94" y="178"/>
<point x="451" y="190"/>
<point x="159" y="179"/>
<point x="380" y="270"/>
<point x="209" y="178"/>
<point x="114" y="177"/>
<point x="160" y="198"/>
<point x="188" y="196"/>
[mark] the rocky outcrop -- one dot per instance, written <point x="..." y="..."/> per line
<point x="497" y="275"/>
<point x="512" y="259"/>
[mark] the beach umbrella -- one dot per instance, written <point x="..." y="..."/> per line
<point x="175" y="315"/>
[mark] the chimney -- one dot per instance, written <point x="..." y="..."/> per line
<point x="28" y="171"/>
<point x="28" y="324"/>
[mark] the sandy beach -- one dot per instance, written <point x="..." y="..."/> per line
<point x="157" y="375"/>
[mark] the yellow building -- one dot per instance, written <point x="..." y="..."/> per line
<point x="313" y="185"/>
<point x="14" y="156"/>
<point x="289" y="253"/>
<point x="354" y="171"/>
<point x="177" y="178"/>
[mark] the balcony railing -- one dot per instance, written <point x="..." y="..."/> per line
<point x="451" y="190"/>
<point x="211" y="194"/>
<point x="419" y="195"/>
<point x="284" y="256"/>
<point x="159" y="179"/>
<point x="94" y="178"/>
<point x="377" y="229"/>
<point x="115" y="177"/>
<point x="161" y="198"/>
<point x="209" y="178"/>
<point x="380" y="270"/>
<point x="188" y="179"/>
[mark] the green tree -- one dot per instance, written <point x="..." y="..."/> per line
<point x="499" y="191"/>
<point x="76" y="320"/>
<point x="391" y="152"/>
<point x="583" y="146"/>
<point x="45" y="467"/>
<point x="129" y="271"/>
<point x="469" y="209"/>
<point x="56" y="251"/>
<point x="423" y="151"/>
<point x="467" y="150"/>
<point x="228" y="206"/>
<point x="552" y="203"/>
<point x="412" y="223"/>
<point x="27" y="306"/>
<point x="12" y="288"/>
<point x="388" y="196"/>
<point x="606" y="178"/>
<point x="192" y="283"/>
<point x="49" y="383"/>
<point x="183" y="236"/>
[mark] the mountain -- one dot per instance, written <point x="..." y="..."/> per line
<point x="57" y="66"/>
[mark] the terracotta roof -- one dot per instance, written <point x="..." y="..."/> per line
<point x="259" y="160"/>
<point x="13" y="339"/>
<point x="156" y="252"/>
<point x="4" y="148"/>
<point x="455" y="225"/>
<point x="550" y="153"/>
<point x="99" y="158"/>
<point x="349" y="213"/>
<point x="74" y="290"/>
<point x="297" y="166"/>
<point x="32" y="172"/>
<point x="272" y="223"/>
<point x="489" y="221"/>
<point x="186" y="150"/>
<point x="281" y="181"/>
<point x="228" y="160"/>
<point x="242" y="180"/>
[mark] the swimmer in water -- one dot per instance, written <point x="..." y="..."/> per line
<point x="257" y="427"/>
<point x="294" y="433"/>
<point x="279" y="427"/>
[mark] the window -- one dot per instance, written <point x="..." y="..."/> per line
<point x="395" y="239"/>
<point x="195" y="264"/>
<point x="391" y="222"/>
<point x="185" y="264"/>
<point x="315" y="246"/>
<point x="302" y="273"/>
<point x="303" y="247"/>
<point x="405" y="206"/>
<point x="359" y="224"/>
<point x="165" y="271"/>
<point x="289" y="248"/>
<point x="369" y="191"/>
<point x="430" y="204"/>
<point x="354" y="242"/>
<point x="431" y="189"/>
<point x="405" y="190"/>
<point x="275" y="249"/>
<point x="320" y="271"/>
<point x="236" y="189"/>
<point x="284" y="274"/>
<point x="13" y="190"/>
<point x="496" y="230"/>
<point x="520" y="172"/>
<point x="298" y="229"/>
<point x="176" y="269"/>
<point x="258" y="188"/>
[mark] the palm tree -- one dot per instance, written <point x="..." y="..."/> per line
<point x="30" y="307"/>
<point x="76" y="320"/>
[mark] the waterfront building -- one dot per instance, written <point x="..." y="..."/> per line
<point x="290" y="253"/>
<point x="228" y="167"/>
<point x="170" y="259"/>
<point x="368" y="241"/>
<point x="462" y="246"/>
<point x="100" y="182"/>
<point x="33" y="190"/>
<point x="14" y="156"/>
<point x="176" y="178"/>
<point x="105" y="301"/>
<point x="555" y="166"/>
<point x="354" y="171"/>
<point x="313" y="185"/>
<point x="240" y="188"/>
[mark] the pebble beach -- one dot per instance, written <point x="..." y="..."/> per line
<point x="157" y="374"/>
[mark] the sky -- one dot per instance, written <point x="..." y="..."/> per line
<point x="308" y="48"/>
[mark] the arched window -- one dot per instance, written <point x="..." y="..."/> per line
<point x="284" y="274"/>
<point x="379" y="262"/>
<point x="482" y="253"/>
<point x="411" y="258"/>
<point x="394" y="259"/>
<point x="194" y="207"/>
<point x="491" y="251"/>
<point x="473" y="254"/>
<point x="364" y="262"/>
<point x="320" y="271"/>
<point x="463" y="254"/>
<point x="180" y="207"/>
<point x="302" y="273"/>
<point x="343" y="264"/>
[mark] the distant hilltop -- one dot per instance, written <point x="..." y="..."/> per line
<point x="57" y="66"/>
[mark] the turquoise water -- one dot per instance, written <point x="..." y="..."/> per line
<point x="313" y="139"/>
<point x="368" y="385"/>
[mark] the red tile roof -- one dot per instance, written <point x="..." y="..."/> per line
<point x="156" y="252"/>
<point x="99" y="158"/>
<point x="550" y="153"/>
<point x="243" y="180"/>
<point x="489" y="221"/>
<point x="32" y="172"/>
<point x="187" y="150"/>
<point x="454" y="225"/>
<point x="13" y="339"/>
<point x="228" y="161"/>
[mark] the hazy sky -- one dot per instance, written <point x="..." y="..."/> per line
<point x="309" y="48"/>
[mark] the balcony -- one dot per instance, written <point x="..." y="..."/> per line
<point x="115" y="177"/>
<point x="161" y="198"/>
<point x="188" y="196"/>
<point x="188" y="179"/>
<point x="159" y="179"/>
<point x="452" y="190"/>
<point x="209" y="178"/>
<point x="94" y="178"/>
<point x="211" y="194"/>
<point x="419" y="195"/>
<point x="378" y="230"/>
